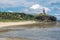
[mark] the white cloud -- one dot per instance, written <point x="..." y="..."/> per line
<point x="36" y="6"/>
<point x="10" y="11"/>
<point x="39" y="7"/>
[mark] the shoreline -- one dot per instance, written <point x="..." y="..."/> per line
<point x="4" y="24"/>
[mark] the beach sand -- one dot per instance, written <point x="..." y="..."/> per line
<point x="13" y="39"/>
<point x="4" y="24"/>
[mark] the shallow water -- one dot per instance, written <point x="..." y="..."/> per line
<point x="34" y="32"/>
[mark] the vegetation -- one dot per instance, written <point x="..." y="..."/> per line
<point x="45" y="17"/>
<point x="8" y="16"/>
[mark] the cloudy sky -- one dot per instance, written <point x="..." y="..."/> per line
<point x="51" y="7"/>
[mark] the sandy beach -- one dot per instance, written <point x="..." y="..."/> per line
<point x="13" y="39"/>
<point x="4" y="24"/>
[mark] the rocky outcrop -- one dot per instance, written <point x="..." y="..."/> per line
<point x="46" y="18"/>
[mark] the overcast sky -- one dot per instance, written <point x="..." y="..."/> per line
<point x="52" y="7"/>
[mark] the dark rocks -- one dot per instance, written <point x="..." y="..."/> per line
<point x="46" y="18"/>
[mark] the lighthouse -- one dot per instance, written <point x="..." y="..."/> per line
<point x="44" y="11"/>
